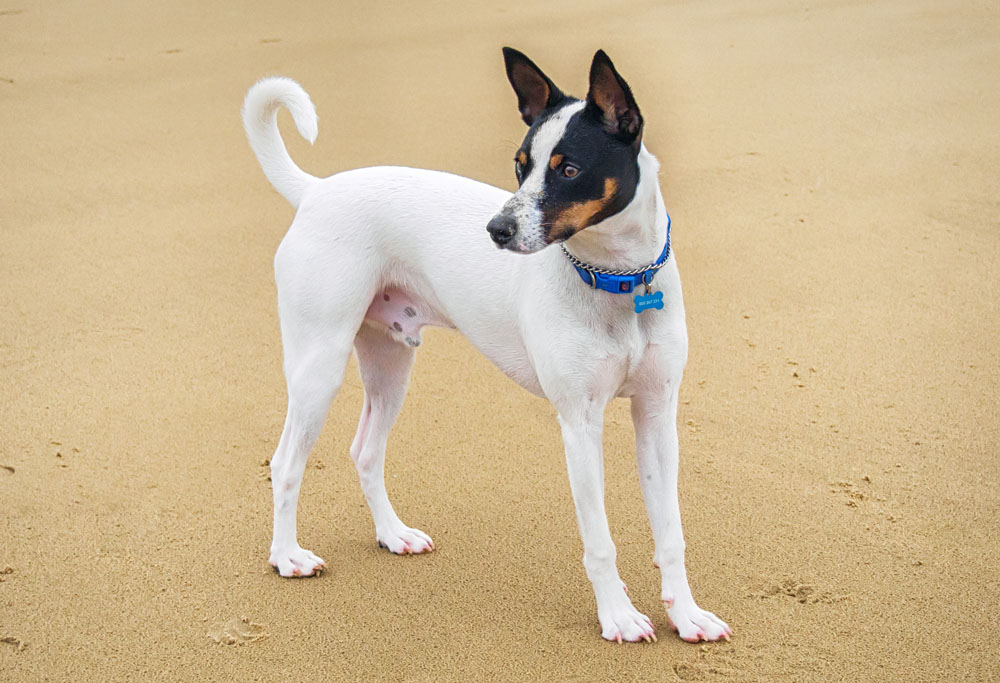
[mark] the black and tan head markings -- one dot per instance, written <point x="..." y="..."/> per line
<point x="578" y="163"/>
<point x="591" y="176"/>
<point x="521" y="165"/>
<point x="523" y="159"/>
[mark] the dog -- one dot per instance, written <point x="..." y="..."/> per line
<point x="373" y="255"/>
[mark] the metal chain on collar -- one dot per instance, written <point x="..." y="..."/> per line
<point x="604" y="271"/>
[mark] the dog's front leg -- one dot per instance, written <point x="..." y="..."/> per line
<point x="655" y="420"/>
<point x="581" y="430"/>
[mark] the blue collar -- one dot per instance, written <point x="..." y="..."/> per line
<point x="619" y="281"/>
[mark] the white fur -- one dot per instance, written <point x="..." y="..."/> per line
<point x="260" y="120"/>
<point x="364" y="232"/>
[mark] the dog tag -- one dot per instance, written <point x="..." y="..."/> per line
<point x="643" y="302"/>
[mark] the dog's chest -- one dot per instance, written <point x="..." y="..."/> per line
<point x="649" y="354"/>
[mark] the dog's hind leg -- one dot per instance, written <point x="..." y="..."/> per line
<point x="313" y="376"/>
<point x="318" y="326"/>
<point x="385" y="371"/>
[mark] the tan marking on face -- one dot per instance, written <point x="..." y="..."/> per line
<point x="522" y="158"/>
<point x="578" y="216"/>
<point x="555" y="160"/>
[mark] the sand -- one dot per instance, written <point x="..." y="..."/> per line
<point x="832" y="172"/>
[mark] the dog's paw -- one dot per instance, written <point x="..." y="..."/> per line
<point x="403" y="540"/>
<point x="622" y="622"/>
<point x="694" y="624"/>
<point x="297" y="562"/>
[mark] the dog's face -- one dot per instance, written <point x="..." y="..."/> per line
<point x="578" y="163"/>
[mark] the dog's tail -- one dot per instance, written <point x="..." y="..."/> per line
<point x="260" y="119"/>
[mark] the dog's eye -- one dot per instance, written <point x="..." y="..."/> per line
<point x="518" y="168"/>
<point x="570" y="171"/>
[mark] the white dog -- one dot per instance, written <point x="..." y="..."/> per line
<point x="374" y="254"/>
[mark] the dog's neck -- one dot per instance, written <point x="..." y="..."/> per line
<point x="634" y="237"/>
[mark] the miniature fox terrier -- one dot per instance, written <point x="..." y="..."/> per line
<point x="374" y="255"/>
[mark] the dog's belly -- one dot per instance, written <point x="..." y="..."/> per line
<point x="403" y="315"/>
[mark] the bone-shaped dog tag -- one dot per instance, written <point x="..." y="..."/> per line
<point x="643" y="302"/>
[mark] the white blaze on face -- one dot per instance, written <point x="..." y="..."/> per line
<point x="524" y="205"/>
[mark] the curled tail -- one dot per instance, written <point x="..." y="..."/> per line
<point x="260" y="119"/>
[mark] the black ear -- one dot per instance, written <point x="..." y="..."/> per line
<point x="535" y="92"/>
<point x="610" y="100"/>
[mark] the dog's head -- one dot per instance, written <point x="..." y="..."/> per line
<point x="578" y="163"/>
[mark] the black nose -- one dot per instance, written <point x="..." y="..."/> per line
<point x="502" y="229"/>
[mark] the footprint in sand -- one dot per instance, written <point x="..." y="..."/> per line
<point x="861" y="495"/>
<point x="237" y="632"/>
<point x="803" y="593"/>
<point x="19" y="645"/>
<point x="852" y="493"/>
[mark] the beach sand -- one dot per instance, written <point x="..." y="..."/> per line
<point x="832" y="171"/>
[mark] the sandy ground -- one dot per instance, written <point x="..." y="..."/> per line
<point x="832" y="171"/>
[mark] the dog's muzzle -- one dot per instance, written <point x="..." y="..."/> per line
<point x="502" y="229"/>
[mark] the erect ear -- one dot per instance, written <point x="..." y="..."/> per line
<point x="610" y="100"/>
<point x="535" y="92"/>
